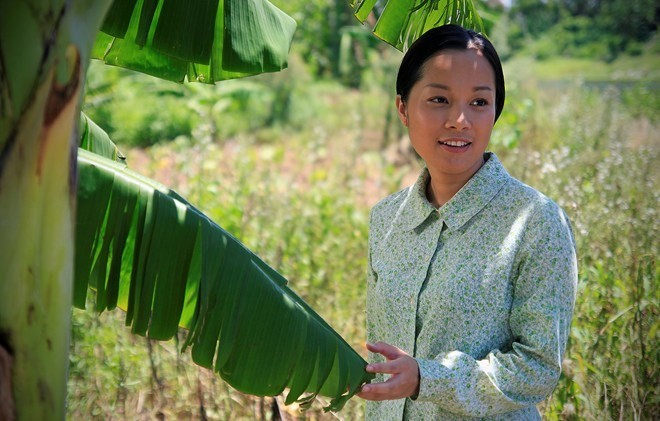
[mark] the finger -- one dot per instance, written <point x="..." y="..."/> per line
<point x="391" y="389"/>
<point x="390" y="367"/>
<point x="388" y="351"/>
<point x="376" y="392"/>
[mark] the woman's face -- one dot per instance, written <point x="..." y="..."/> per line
<point x="450" y="113"/>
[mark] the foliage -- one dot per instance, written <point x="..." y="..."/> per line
<point x="585" y="29"/>
<point x="261" y="104"/>
<point x="229" y="299"/>
<point x="298" y="193"/>
<point x="115" y="374"/>
<point x="640" y="74"/>
<point x="42" y="88"/>
<point x="400" y="23"/>
<point x="212" y="41"/>
<point x="133" y="125"/>
<point x="301" y="173"/>
<point x="170" y="110"/>
<point x="642" y="101"/>
<point x="307" y="205"/>
<point x="594" y="154"/>
<point x="334" y="44"/>
<point x="317" y="38"/>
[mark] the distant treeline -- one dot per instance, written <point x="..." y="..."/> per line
<point x="600" y="29"/>
<point x="334" y="45"/>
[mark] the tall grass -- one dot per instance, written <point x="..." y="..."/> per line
<point x="597" y="157"/>
<point x="299" y="196"/>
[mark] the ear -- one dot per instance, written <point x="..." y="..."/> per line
<point x="402" y="110"/>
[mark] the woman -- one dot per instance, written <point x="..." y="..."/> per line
<point x="472" y="274"/>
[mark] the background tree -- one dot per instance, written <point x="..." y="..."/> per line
<point x="582" y="28"/>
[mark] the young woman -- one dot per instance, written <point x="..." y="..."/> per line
<point x="472" y="274"/>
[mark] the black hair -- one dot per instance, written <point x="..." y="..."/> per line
<point x="441" y="38"/>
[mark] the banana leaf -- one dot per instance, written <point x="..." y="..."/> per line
<point x="146" y="250"/>
<point x="203" y="41"/>
<point x="96" y="140"/>
<point x="401" y="22"/>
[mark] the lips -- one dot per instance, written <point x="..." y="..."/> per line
<point x="455" y="143"/>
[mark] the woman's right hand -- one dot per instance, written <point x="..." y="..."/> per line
<point x="404" y="370"/>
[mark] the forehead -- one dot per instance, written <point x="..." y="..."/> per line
<point x="459" y="65"/>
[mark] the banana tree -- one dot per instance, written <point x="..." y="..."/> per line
<point x="141" y="246"/>
<point x="45" y="47"/>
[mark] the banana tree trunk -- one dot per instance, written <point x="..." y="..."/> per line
<point x="43" y="46"/>
<point x="37" y="254"/>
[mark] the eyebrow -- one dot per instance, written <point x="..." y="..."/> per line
<point x="446" y="88"/>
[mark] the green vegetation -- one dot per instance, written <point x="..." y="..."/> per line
<point x="298" y="192"/>
<point x="595" y="156"/>
<point x="44" y="56"/>
<point x="291" y="163"/>
<point x="47" y="48"/>
<point x="600" y="30"/>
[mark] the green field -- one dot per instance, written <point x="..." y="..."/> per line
<point x="291" y="166"/>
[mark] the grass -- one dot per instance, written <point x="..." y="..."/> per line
<point x="645" y="67"/>
<point x="595" y="156"/>
<point x="298" y="193"/>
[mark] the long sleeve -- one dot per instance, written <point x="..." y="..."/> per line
<point x="371" y="285"/>
<point x="544" y="285"/>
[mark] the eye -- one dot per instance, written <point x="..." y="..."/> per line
<point x="439" y="100"/>
<point x="479" y="102"/>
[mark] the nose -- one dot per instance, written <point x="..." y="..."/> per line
<point x="457" y="118"/>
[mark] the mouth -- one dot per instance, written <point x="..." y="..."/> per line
<point x="455" y="143"/>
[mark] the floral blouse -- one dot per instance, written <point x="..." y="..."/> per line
<point x="480" y="291"/>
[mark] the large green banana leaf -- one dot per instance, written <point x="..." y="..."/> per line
<point x="205" y="41"/>
<point x="401" y="22"/>
<point x="145" y="249"/>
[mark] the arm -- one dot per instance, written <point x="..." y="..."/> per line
<point x="540" y="316"/>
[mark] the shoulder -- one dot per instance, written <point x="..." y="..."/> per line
<point x="540" y="205"/>
<point x="390" y="205"/>
<point x="543" y="217"/>
<point x="392" y="214"/>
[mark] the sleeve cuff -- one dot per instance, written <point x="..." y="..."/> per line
<point x="419" y="381"/>
<point x="432" y="377"/>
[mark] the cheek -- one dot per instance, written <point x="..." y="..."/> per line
<point x="426" y="118"/>
<point x="485" y="122"/>
<point x="421" y="140"/>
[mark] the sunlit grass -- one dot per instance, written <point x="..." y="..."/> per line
<point x="644" y="67"/>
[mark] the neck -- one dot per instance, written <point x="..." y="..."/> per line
<point x="442" y="187"/>
<point x="439" y="193"/>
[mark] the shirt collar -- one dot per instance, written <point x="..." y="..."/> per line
<point x="466" y="203"/>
